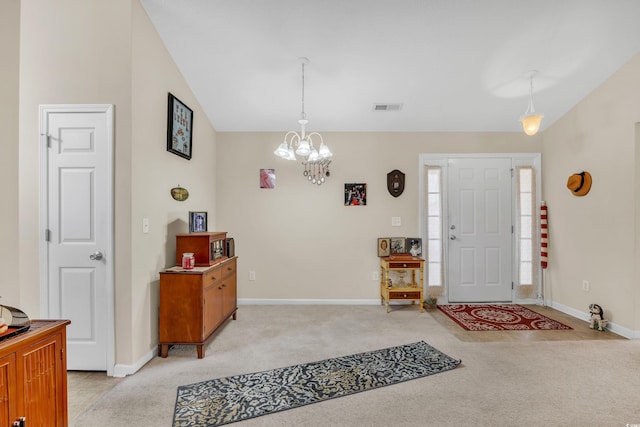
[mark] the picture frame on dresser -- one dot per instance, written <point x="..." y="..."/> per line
<point x="398" y="245"/>
<point x="197" y="222"/>
<point x="413" y="245"/>
<point x="384" y="246"/>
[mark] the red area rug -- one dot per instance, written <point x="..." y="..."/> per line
<point x="499" y="317"/>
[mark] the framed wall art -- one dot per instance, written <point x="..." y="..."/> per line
<point x="197" y="222"/>
<point x="267" y="178"/>
<point x="179" y="128"/>
<point x="355" y="194"/>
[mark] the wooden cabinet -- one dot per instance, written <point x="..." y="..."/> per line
<point x="401" y="290"/>
<point x="33" y="375"/>
<point x="194" y="303"/>
<point x="208" y="247"/>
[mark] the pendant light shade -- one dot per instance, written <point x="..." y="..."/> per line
<point x="530" y="120"/>
<point x="531" y="124"/>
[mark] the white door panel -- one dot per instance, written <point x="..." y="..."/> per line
<point x="480" y="239"/>
<point x="78" y="217"/>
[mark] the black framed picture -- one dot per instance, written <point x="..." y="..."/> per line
<point x="355" y="194"/>
<point x="398" y="245"/>
<point x="414" y="246"/>
<point x="179" y="128"/>
<point x="197" y="221"/>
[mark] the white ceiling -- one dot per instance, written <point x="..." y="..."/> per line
<point x="454" y="65"/>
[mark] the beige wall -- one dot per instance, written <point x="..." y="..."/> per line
<point x="70" y="54"/>
<point x="300" y="239"/>
<point x="595" y="237"/>
<point x="156" y="171"/>
<point x="9" y="78"/>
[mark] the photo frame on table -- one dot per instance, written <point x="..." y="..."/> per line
<point x="398" y="245"/>
<point x="179" y="128"/>
<point x="413" y="245"/>
<point x="197" y="222"/>
<point x="384" y="246"/>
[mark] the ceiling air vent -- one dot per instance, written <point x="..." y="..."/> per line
<point x="387" y="107"/>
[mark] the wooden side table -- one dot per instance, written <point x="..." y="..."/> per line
<point x="401" y="290"/>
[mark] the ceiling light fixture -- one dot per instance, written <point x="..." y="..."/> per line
<point x="316" y="162"/>
<point x="530" y="120"/>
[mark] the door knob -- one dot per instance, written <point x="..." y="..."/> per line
<point x="97" y="256"/>
<point x="452" y="237"/>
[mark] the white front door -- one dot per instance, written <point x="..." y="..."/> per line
<point x="480" y="230"/>
<point x="77" y="216"/>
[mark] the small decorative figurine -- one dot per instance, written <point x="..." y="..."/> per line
<point x="597" y="317"/>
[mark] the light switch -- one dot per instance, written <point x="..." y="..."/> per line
<point x="145" y="225"/>
<point x="396" y="221"/>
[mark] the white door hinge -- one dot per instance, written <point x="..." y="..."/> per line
<point x="47" y="139"/>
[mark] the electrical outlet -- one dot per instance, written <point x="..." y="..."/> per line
<point x="396" y="221"/>
<point x="375" y="275"/>
<point x="585" y="285"/>
<point x="252" y="275"/>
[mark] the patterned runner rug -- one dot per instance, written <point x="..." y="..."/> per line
<point x="499" y="317"/>
<point x="227" y="400"/>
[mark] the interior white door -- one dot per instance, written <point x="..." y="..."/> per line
<point x="480" y="230"/>
<point x="78" y="218"/>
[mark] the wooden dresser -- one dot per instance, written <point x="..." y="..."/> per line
<point x="194" y="303"/>
<point x="401" y="290"/>
<point x="33" y="375"/>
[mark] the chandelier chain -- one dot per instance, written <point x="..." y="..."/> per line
<point x="303" y="114"/>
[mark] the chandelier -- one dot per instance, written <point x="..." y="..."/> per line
<point x="530" y="120"/>
<point x="316" y="161"/>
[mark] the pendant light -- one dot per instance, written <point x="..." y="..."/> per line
<point x="530" y="120"/>
<point x="316" y="161"/>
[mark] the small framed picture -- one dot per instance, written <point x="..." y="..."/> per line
<point x="355" y="194"/>
<point x="414" y="246"/>
<point x="267" y="178"/>
<point x="197" y="221"/>
<point x="179" y="128"/>
<point x="384" y="246"/>
<point x="398" y="245"/>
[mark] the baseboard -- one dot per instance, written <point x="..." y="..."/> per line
<point x="124" y="370"/>
<point x="270" y="301"/>
<point x="583" y="315"/>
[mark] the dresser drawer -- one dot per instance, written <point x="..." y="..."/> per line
<point x="228" y="268"/>
<point x="404" y="295"/>
<point x="212" y="278"/>
<point x="404" y="264"/>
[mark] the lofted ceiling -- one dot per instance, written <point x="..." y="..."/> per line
<point x="452" y="65"/>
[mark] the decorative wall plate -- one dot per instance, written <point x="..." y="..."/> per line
<point x="395" y="182"/>
<point x="180" y="194"/>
